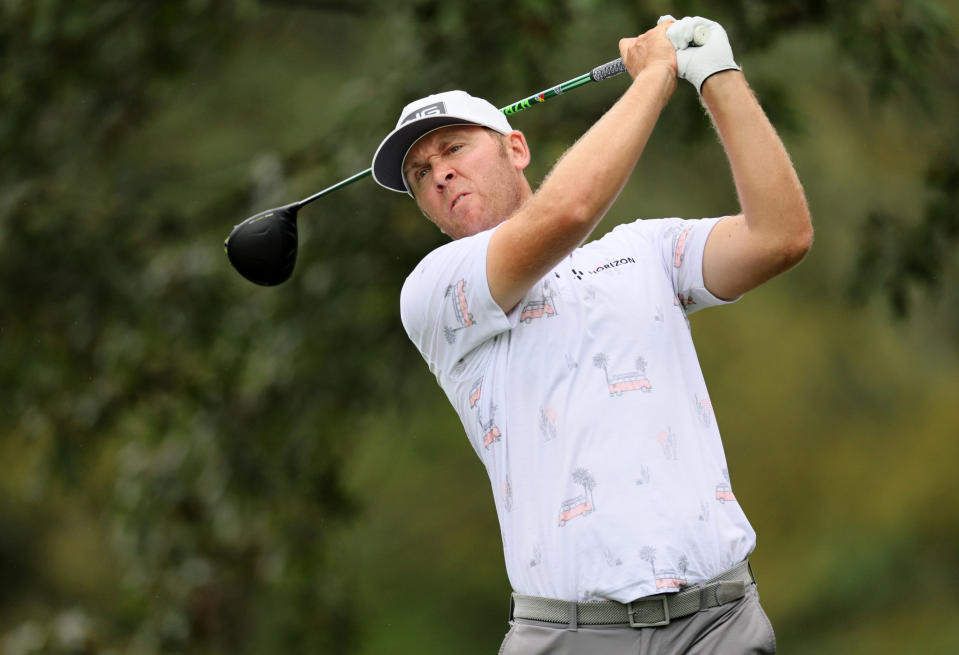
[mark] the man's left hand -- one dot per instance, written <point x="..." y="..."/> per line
<point x="696" y="63"/>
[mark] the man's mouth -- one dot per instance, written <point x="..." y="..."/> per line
<point x="456" y="200"/>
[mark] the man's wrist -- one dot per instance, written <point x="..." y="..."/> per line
<point x="660" y="70"/>
<point x="718" y="84"/>
<point x="664" y="67"/>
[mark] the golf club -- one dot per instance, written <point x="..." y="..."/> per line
<point x="263" y="247"/>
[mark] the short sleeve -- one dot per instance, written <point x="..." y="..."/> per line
<point x="446" y="305"/>
<point x="680" y="244"/>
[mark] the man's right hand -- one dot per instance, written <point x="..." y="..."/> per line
<point x="585" y="182"/>
<point x="651" y="48"/>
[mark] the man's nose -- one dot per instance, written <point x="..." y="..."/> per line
<point x="442" y="174"/>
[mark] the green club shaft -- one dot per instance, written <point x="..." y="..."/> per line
<point x="598" y="74"/>
<point x="339" y="185"/>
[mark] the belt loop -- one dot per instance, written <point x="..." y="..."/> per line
<point x="573" y="616"/>
<point x="512" y="607"/>
<point x="749" y="566"/>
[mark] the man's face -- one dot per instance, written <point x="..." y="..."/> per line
<point x="466" y="178"/>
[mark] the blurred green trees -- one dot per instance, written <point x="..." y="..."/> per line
<point x="195" y="464"/>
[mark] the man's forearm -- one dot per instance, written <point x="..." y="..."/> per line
<point x="590" y="176"/>
<point x="769" y="190"/>
<point x="579" y="190"/>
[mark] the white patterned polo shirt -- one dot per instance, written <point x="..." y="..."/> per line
<point x="587" y="406"/>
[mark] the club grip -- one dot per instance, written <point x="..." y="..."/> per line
<point x="607" y="70"/>
<point x="700" y="35"/>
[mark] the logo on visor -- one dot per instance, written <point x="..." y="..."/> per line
<point x="435" y="109"/>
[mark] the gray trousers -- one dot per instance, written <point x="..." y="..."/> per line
<point x="736" y="628"/>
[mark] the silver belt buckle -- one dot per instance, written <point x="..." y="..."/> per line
<point x="637" y="624"/>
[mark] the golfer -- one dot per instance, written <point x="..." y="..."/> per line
<point x="572" y="366"/>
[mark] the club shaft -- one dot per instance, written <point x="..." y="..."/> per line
<point x="331" y="189"/>
<point x="598" y="74"/>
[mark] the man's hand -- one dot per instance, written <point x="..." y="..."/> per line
<point x="696" y="63"/>
<point x="585" y="182"/>
<point x="652" y="48"/>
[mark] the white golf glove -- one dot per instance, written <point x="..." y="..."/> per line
<point x="696" y="63"/>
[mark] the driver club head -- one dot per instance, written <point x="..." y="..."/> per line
<point x="263" y="247"/>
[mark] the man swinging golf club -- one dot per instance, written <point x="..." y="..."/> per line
<point x="572" y="366"/>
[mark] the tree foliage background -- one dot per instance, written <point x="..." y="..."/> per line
<point x="192" y="464"/>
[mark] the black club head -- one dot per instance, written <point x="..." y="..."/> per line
<point x="263" y="247"/>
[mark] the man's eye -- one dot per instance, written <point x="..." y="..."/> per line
<point x="455" y="148"/>
<point x="421" y="173"/>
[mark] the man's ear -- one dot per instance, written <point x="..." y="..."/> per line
<point x="517" y="149"/>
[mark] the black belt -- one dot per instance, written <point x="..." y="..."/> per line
<point x="646" y="612"/>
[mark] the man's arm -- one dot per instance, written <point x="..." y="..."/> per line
<point x="587" y="179"/>
<point x="774" y="230"/>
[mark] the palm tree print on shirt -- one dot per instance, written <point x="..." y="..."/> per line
<point x="547" y="423"/>
<point x="666" y="579"/>
<point x="667" y="441"/>
<point x="679" y="246"/>
<point x="648" y="554"/>
<point x="537" y="556"/>
<point x="620" y="383"/>
<point x="579" y="505"/>
<point x="611" y="559"/>
<point x="643" y="475"/>
<point x="704" y="410"/>
<point x="489" y="432"/>
<point x="542" y="307"/>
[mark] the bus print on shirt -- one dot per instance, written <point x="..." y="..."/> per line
<point x="724" y="492"/>
<point x="489" y="432"/>
<point x="541" y="306"/>
<point x="458" y="310"/>
<point x="476" y="392"/>
<point x="679" y="245"/>
<point x="620" y="383"/>
<point x="666" y="579"/>
<point x="581" y="505"/>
